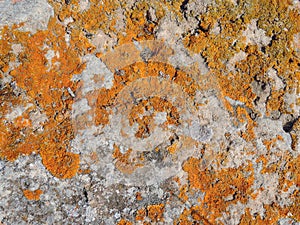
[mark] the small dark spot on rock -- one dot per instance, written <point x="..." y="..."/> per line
<point x="183" y="8"/>
<point x="288" y="126"/>
<point x="85" y="195"/>
<point x="89" y="35"/>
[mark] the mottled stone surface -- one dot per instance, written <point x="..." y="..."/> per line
<point x="149" y="112"/>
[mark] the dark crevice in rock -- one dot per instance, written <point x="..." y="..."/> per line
<point x="287" y="127"/>
<point x="183" y="8"/>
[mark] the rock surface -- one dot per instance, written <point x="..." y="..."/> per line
<point x="149" y="112"/>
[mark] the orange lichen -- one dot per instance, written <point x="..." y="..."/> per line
<point x="140" y="214"/>
<point x="137" y="27"/>
<point x="218" y="186"/>
<point x="173" y="147"/>
<point x="152" y="212"/>
<point x="124" y="162"/>
<point x="270" y="143"/>
<point x="182" y="194"/>
<point x="17" y="137"/>
<point x="295" y="134"/>
<point x="33" y="195"/>
<point x="218" y="49"/>
<point x="146" y="123"/>
<point x="276" y="101"/>
<point x="155" y="212"/>
<point x="272" y="215"/>
<point x="243" y="116"/>
<point x="52" y="97"/>
<point x="124" y="222"/>
<point x="15" y="133"/>
<point x="106" y="98"/>
<point x="138" y="196"/>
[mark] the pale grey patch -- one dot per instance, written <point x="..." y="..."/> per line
<point x="17" y="111"/>
<point x="269" y="129"/>
<point x="198" y="7"/>
<point x="79" y="107"/>
<point x="160" y="117"/>
<point x="216" y="30"/>
<point x="200" y="132"/>
<point x="71" y="93"/>
<point x="287" y="221"/>
<point x="95" y="68"/>
<point x="277" y="81"/>
<point x="233" y="102"/>
<point x="121" y="21"/>
<point x="235" y="212"/>
<point x="68" y="20"/>
<point x="138" y="45"/>
<point x="284" y="198"/>
<point x="49" y="56"/>
<point x="38" y="119"/>
<point x="256" y="36"/>
<point x="151" y="14"/>
<point x="84" y="5"/>
<point x="17" y="48"/>
<point x="267" y="196"/>
<point x="262" y="90"/>
<point x="181" y="57"/>
<point x="103" y="41"/>
<point x="35" y="14"/>
<point x="236" y="58"/>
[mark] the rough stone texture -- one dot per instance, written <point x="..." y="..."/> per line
<point x="149" y="112"/>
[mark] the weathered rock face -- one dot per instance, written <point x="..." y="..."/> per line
<point x="160" y="112"/>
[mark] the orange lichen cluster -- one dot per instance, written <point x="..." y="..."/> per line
<point x="124" y="162"/>
<point x="137" y="26"/>
<point x="295" y="134"/>
<point x="45" y="84"/>
<point x="146" y="122"/>
<point x="141" y="214"/>
<point x="217" y="49"/>
<point x="155" y="212"/>
<point x="273" y="214"/>
<point x="270" y="143"/>
<point x="152" y="212"/>
<point x="46" y="91"/>
<point x="33" y="195"/>
<point x="107" y="16"/>
<point x="229" y="186"/>
<point x="12" y="142"/>
<point x="281" y="24"/>
<point x="124" y="222"/>
<point x="106" y="97"/>
<point x="243" y="117"/>
<point x="232" y="184"/>
<point x="290" y="174"/>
